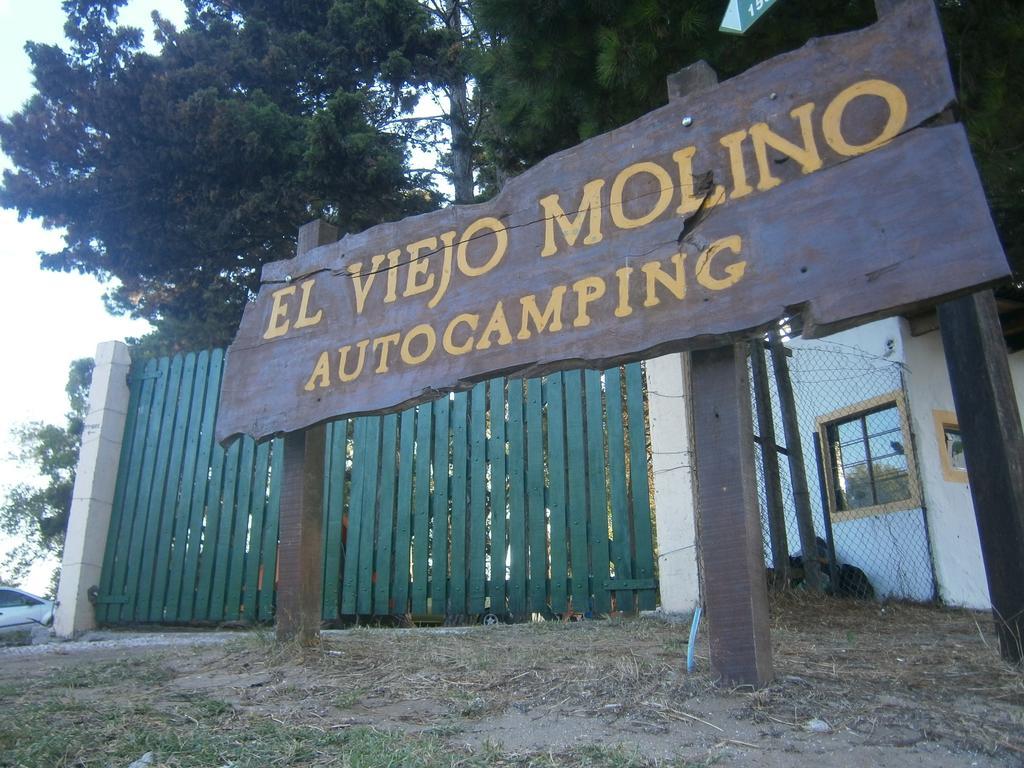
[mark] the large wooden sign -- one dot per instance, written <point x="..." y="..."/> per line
<point x="828" y="181"/>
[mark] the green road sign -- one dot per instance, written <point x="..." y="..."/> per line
<point x="741" y="15"/>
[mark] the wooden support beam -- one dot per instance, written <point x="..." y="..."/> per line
<point x="993" y="440"/>
<point x="797" y="468"/>
<point x="728" y="519"/>
<point x="729" y="522"/>
<point x="779" y="543"/>
<point x="300" y="579"/>
<point x="300" y="575"/>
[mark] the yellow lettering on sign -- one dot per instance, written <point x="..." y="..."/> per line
<point x="807" y="155"/>
<point x="588" y="290"/>
<point x="832" y="120"/>
<point x="391" y="295"/>
<point x="321" y="376"/>
<point x="418" y="266"/>
<point x="655" y="274"/>
<point x="623" y="309"/>
<point x="496" y="325"/>
<point x="471" y="232"/>
<point x="688" y="199"/>
<point x="346" y="376"/>
<point x="733" y="271"/>
<point x="362" y="284"/>
<point x="278" y="313"/>
<point x="384" y="344"/>
<point x="666" y="189"/>
<point x="430" y="341"/>
<point x="589" y="210"/>
<point x="734" y="143"/>
<point x="448" y="240"/>
<point x="447" y="340"/>
<point x="305" y="320"/>
<point x="550" y="319"/>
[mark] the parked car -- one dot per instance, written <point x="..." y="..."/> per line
<point x="22" y="609"/>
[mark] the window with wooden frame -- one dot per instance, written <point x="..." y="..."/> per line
<point x="951" y="448"/>
<point x="869" y="459"/>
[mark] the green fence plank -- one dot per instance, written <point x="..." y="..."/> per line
<point x="211" y="528"/>
<point x="368" y="512"/>
<point x="621" y="546"/>
<point x="597" y="492"/>
<point x="335" y="503"/>
<point x="171" y="491"/>
<point x="459" y="528"/>
<point x="442" y="514"/>
<point x="421" y="509"/>
<point x="130" y="518"/>
<point x="536" y="512"/>
<point x="516" y="500"/>
<point x="268" y="569"/>
<point x="385" y="543"/>
<point x="140" y="510"/>
<point x="478" y="499"/>
<point x="118" y="516"/>
<point x="182" y="511"/>
<point x="222" y="550"/>
<point x="499" y="495"/>
<point x="576" y="477"/>
<point x="439" y="509"/>
<point x="640" y="485"/>
<point x="204" y="478"/>
<point x="240" y="531"/>
<point x="403" y="513"/>
<point x="257" y="513"/>
<point x="556" y="491"/>
<point x="154" y="507"/>
<point x="350" y="579"/>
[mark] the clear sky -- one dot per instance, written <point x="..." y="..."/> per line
<point x="49" y="319"/>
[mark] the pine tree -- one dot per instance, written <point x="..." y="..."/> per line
<point x="181" y="174"/>
<point x="37" y="514"/>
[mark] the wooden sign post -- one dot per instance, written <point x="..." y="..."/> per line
<point x="990" y="427"/>
<point x="300" y="577"/>
<point x="819" y="182"/>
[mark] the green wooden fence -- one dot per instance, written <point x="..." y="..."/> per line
<point x="511" y="498"/>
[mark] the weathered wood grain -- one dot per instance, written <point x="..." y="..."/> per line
<point x="729" y="521"/>
<point x="898" y="226"/>
<point x="990" y="427"/>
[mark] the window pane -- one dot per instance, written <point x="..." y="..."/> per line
<point x="852" y="454"/>
<point x="883" y="421"/>
<point x="892" y="484"/>
<point x="955" y="448"/>
<point x="849" y="431"/>
<point x="870" y="469"/>
<point x="857" y="492"/>
<point x="10" y="599"/>
<point x="886" y="445"/>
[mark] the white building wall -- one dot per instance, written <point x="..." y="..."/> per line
<point x="956" y="551"/>
<point x="891" y="548"/>
<point x="948" y="516"/>
<point x="674" y="502"/>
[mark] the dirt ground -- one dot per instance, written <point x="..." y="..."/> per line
<point x="891" y="685"/>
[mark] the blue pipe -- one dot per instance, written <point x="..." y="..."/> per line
<point x="693" y="641"/>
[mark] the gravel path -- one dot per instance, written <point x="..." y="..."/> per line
<point x="114" y="640"/>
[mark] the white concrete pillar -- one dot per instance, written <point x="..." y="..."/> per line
<point x="93" y="496"/>
<point x="674" y="486"/>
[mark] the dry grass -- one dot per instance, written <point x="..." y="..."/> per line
<point x="921" y="672"/>
<point x="933" y="671"/>
<point x="896" y="676"/>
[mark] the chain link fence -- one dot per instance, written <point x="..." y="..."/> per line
<point x="863" y="515"/>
